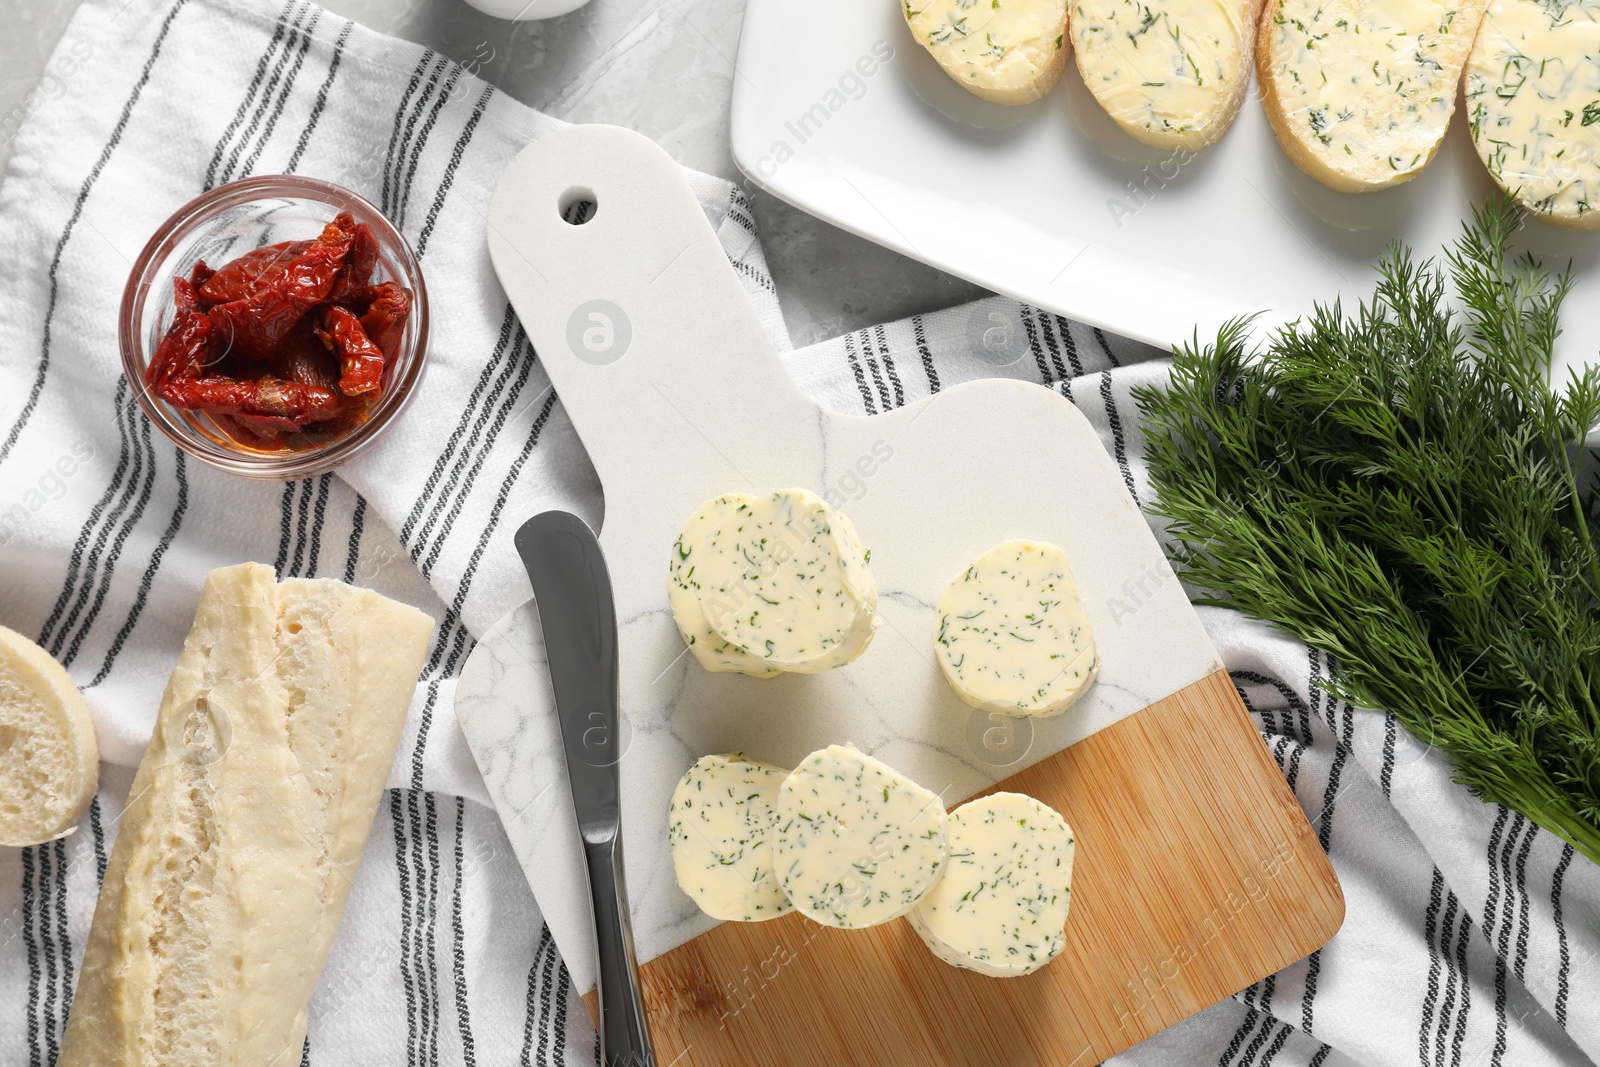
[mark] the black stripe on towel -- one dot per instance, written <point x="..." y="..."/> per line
<point x="1047" y="331"/>
<point x="91" y="603"/>
<point x="397" y="128"/>
<point x="30" y="943"/>
<point x="861" y="378"/>
<point x="1496" y="913"/>
<point x="130" y="466"/>
<point x="254" y="87"/>
<point x="921" y="333"/>
<point x="321" y="102"/>
<point x="1032" y="333"/>
<point x="449" y="179"/>
<point x="459" y="954"/>
<point x="283" y="96"/>
<point x="1564" y="969"/>
<point x="1390" y="737"/>
<point x="887" y="357"/>
<point x="264" y="101"/>
<point x="452" y="79"/>
<point x="72" y="221"/>
<point x="147" y="580"/>
<point x="358" y="524"/>
<point x="1119" y="445"/>
<point x="508" y="324"/>
<point x="1099" y="335"/>
<point x="471" y="451"/>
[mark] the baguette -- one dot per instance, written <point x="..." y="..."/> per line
<point x="1533" y="106"/>
<point x="1360" y="92"/>
<point x="1172" y="73"/>
<point x="49" y="762"/>
<point x="245" y="824"/>
<point x="1005" y="51"/>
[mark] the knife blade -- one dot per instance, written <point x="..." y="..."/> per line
<point x="572" y="590"/>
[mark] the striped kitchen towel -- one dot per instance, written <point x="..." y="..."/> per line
<point x="1471" y="937"/>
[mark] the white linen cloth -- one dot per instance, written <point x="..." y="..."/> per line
<point x="1471" y="937"/>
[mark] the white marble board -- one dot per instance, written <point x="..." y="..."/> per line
<point x="695" y="402"/>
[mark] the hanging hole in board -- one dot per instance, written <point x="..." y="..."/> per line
<point x="578" y="205"/>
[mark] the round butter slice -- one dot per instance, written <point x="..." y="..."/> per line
<point x="721" y="838"/>
<point x="1533" y="106"/>
<point x="857" y="842"/>
<point x="683" y="592"/>
<point x="783" y="578"/>
<point x="1010" y="53"/>
<point x="1172" y="73"/>
<point x="49" y="762"/>
<point x="1011" y="635"/>
<point x="1001" y="907"/>
<point x="1360" y="92"/>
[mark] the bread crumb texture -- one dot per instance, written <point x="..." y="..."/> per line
<point x="49" y="763"/>
<point x="246" y="822"/>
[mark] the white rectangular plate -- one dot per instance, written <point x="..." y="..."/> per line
<point x="1051" y="204"/>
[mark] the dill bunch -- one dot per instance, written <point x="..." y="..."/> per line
<point x="1401" y="488"/>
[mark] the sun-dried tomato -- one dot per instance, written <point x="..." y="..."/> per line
<point x="358" y="266"/>
<point x="360" y="361"/>
<point x="243" y="277"/>
<point x="256" y="323"/>
<point x="386" y="308"/>
<point x="189" y="345"/>
<point x="266" y="397"/>
<point x="303" y="358"/>
<point x="286" y="338"/>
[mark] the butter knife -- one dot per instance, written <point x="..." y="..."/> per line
<point x="572" y="590"/>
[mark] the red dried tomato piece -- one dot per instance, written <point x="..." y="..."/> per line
<point x="241" y="278"/>
<point x="361" y="262"/>
<point x="387" y="307"/>
<point x="200" y="274"/>
<point x="256" y="324"/>
<point x="303" y="358"/>
<point x="190" y="342"/>
<point x="265" y="398"/>
<point x="360" y="361"/>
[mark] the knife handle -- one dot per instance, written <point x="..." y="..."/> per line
<point x="624" y="1038"/>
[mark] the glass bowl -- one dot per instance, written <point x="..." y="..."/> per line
<point x="219" y="226"/>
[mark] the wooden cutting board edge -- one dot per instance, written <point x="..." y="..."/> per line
<point x="1180" y="805"/>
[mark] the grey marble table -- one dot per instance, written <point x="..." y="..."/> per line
<point x="662" y="67"/>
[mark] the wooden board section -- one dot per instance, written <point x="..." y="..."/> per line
<point x="1196" y="875"/>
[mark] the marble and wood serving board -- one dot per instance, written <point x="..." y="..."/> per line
<point x="1197" y="873"/>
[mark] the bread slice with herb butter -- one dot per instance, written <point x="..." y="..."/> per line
<point x="1533" y="106"/>
<point x="1007" y="51"/>
<point x="1360" y="92"/>
<point x="1172" y="73"/>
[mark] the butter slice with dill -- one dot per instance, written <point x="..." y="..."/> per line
<point x="1006" y="51"/>
<point x="720" y="833"/>
<point x="857" y="843"/>
<point x="1172" y="73"/>
<point x="783" y="578"/>
<point x="1001" y="907"/>
<point x="1533" y="106"/>
<point x="1010" y="634"/>
<point x="683" y="592"/>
